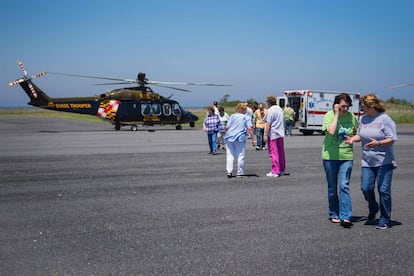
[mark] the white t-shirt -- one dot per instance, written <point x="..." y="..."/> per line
<point x="274" y="116"/>
<point x="378" y="128"/>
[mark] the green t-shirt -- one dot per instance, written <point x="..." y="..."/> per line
<point x="333" y="147"/>
<point x="288" y="113"/>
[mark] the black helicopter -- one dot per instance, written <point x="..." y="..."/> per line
<point x="133" y="106"/>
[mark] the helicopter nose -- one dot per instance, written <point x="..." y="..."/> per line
<point x="191" y="116"/>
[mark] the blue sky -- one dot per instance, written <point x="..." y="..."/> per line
<point x="260" y="47"/>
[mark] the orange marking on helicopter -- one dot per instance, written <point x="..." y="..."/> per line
<point x="71" y="105"/>
<point x="151" y="119"/>
<point x="65" y="105"/>
<point x="82" y="105"/>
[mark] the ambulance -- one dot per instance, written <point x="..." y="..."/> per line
<point x="312" y="105"/>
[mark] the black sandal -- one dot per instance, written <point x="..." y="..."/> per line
<point x="346" y="223"/>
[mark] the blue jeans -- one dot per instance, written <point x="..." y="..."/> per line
<point x="288" y="127"/>
<point x="338" y="173"/>
<point x="259" y="137"/>
<point x="383" y="176"/>
<point x="212" y="141"/>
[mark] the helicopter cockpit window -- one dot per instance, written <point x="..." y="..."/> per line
<point x="166" y="109"/>
<point x="176" y="109"/>
<point x="156" y="109"/>
<point x="146" y="109"/>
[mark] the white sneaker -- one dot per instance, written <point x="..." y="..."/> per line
<point x="272" y="174"/>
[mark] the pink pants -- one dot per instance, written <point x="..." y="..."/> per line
<point x="277" y="155"/>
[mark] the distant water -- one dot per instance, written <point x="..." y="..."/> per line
<point x="17" y="107"/>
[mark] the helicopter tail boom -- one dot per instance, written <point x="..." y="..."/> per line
<point x="37" y="96"/>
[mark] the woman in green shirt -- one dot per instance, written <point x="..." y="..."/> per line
<point x="338" y="158"/>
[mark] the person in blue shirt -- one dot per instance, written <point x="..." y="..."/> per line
<point x="238" y="126"/>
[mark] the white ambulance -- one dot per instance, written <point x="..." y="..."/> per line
<point x="311" y="106"/>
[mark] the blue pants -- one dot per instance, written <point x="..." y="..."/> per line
<point x="288" y="127"/>
<point x="212" y="141"/>
<point x="259" y="138"/>
<point x="338" y="173"/>
<point x="383" y="176"/>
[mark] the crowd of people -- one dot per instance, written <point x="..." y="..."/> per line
<point x="267" y="127"/>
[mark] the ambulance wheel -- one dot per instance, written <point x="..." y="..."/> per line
<point x="117" y="127"/>
<point x="307" y="132"/>
<point x="179" y="127"/>
<point x="134" y="127"/>
<point x="192" y="124"/>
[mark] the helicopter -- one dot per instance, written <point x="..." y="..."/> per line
<point x="130" y="106"/>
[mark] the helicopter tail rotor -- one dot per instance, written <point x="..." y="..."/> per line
<point x="27" y="78"/>
<point x="36" y="95"/>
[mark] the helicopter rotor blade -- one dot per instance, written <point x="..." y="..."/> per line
<point x="112" y="83"/>
<point x="186" y="83"/>
<point x="93" y="77"/>
<point x="401" y="85"/>
<point x="16" y="82"/>
<point x="22" y="67"/>
<point x="170" y="87"/>
<point x="209" y="84"/>
<point x="141" y="81"/>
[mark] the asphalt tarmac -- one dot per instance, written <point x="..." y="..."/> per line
<point x="79" y="198"/>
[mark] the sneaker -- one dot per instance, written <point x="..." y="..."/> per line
<point x="214" y="153"/>
<point x="229" y="175"/>
<point x="284" y="174"/>
<point x="382" y="226"/>
<point x="272" y="174"/>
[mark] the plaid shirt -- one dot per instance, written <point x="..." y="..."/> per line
<point x="212" y="123"/>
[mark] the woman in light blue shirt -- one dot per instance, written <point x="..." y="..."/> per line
<point x="237" y="127"/>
